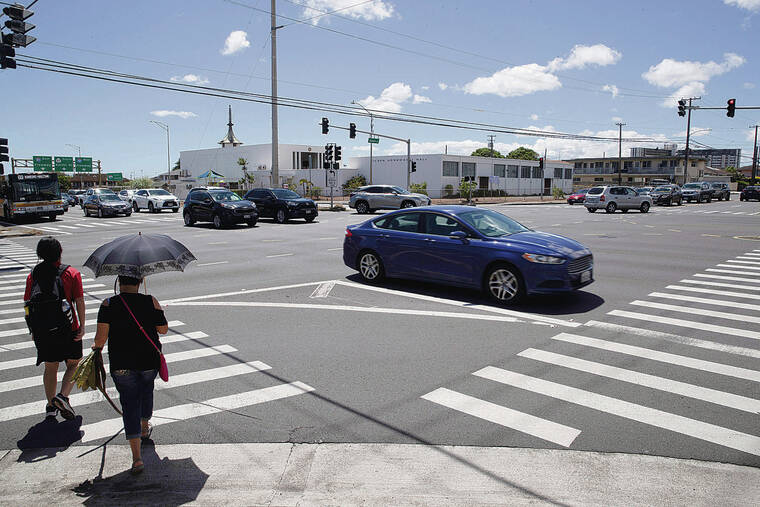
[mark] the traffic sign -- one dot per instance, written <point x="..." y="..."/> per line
<point x="331" y="181"/>
<point x="373" y="140"/>
<point x="114" y="177"/>
<point x="64" y="164"/>
<point x="83" y="164"/>
<point x="42" y="164"/>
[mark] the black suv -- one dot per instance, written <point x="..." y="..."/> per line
<point x="721" y="191"/>
<point x="282" y="204"/>
<point x="751" y="192"/>
<point x="666" y="195"/>
<point x="699" y="191"/>
<point x="219" y="206"/>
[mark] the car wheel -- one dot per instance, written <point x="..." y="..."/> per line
<point x="504" y="284"/>
<point x="175" y="210"/>
<point x="407" y="204"/>
<point x="189" y="221"/>
<point x="644" y="207"/>
<point x="570" y="203"/>
<point x="699" y="200"/>
<point x="100" y="213"/>
<point x="611" y="207"/>
<point x="309" y="219"/>
<point x="720" y="198"/>
<point x="370" y="267"/>
<point x="217" y="222"/>
<point x="281" y="216"/>
<point x="85" y="212"/>
<point x="728" y="197"/>
<point x="252" y="223"/>
<point x="128" y="214"/>
<point x="51" y="217"/>
<point x="591" y="210"/>
<point x="151" y="208"/>
<point x="135" y="207"/>
<point x="362" y="207"/>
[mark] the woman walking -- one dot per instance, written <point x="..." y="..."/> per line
<point x="134" y="357"/>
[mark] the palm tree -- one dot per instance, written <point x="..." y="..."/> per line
<point x="304" y="182"/>
<point x="243" y="163"/>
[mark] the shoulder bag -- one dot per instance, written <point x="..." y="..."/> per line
<point x="163" y="371"/>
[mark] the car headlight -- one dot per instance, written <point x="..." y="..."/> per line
<point x="228" y="206"/>
<point x="542" y="259"/>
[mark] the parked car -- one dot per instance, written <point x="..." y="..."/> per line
<point x="126" y="195"/>
<point x="105" y="204"/>
<point x="666" y="195"/>
<point x="154" y="200"/>
<point x="218" y="206"/>
<point x="699" y="191"/>
<point x="282" y="204"/>
<point x="612" y="198"/>
<point x="721" y="191"/>
<point x="750" y="192"/>
<point x="577" y="197"/>
<point x="369" y="198"/>
<point x="469" y="247"/>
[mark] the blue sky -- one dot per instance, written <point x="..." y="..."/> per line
<point x="573" y="67"/>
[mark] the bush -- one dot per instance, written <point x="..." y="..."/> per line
<point x="314" y="192"/>
<point x="354" y="183"/>
<point x="420" y="188"/>
<point x="465" y="187"/>
<point x="557" y="193"/>
<point x="448" y="190"/>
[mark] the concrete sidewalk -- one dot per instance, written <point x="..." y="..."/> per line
<point x="365" y="474"/>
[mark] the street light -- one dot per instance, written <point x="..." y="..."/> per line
<point x="79" y="151"/>
<point x="168" y="157"/>
<point x="372" y="134"/>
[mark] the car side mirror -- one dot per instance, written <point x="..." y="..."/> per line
<point x="460" y="235"/>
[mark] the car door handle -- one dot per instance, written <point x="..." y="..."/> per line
<point x="431" y="240"/>
<point x="385" y="235"/>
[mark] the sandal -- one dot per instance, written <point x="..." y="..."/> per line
<point x="146" y="434"/>
<point x="137" y="467"/>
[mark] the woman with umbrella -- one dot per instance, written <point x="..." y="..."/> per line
<point x="130" y="322"/>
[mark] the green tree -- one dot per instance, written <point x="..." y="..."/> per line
<point x="176" y="165"/>
<point x="305" y="184"/>
<point x="557" y="193"/>
<point x="243" y="163"/>
<point x="64" y="181"/>
<point x="466" y="187"/>
<point x="355" y="182"/>
<point x="141" y="183"/>
<point x="523" y="153"/>
<point x="486" y="152"/>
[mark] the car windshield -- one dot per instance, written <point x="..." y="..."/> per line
<point x="160" y="191"/>
<point x="225" y="196"/>
<point x="584" y="191"/>
<point x="596" y="190"/>
<point x="399" y="190"/>
<point x="490" y="223"/>
<point x="109" y="197"/>
<point x="282" y="193"/>
<point x="662" y="189"/>
<point x="692" y="185"/>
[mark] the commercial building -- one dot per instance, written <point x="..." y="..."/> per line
<point x="718" y="158"/>
<point x="635" y="170"/>
<point x="442" y="173"/>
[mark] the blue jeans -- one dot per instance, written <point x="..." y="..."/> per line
<point x="136" y="396"/>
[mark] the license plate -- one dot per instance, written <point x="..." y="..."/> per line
<point x="246" y="216"/>
<point x="586" y="276"/>
<point x="309" y="211"/>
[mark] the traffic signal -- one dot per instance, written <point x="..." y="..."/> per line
<point x="352" y="130"/>
<point x="414" y="167"/>
<point x="3" y="153"/>
<point x="681" y="107"/>
<point x="325" y="125"/>
<point x="6" y="57"/>
<point x="17" y="14"/>
<point x="328" y="153"/>
<point x="731" y="108"/>
<point x="337" y="153"/>
<point x="541" y="163"/>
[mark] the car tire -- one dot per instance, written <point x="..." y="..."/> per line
<point x="135" y="207"/>
<point x="100" y="213"/>
<point x="51" y="217"/>
<point x="407" y="204"/>
<point x="570" y="203"/>
<point x="504" y="284"/>
<point x="281" y="216"/>
<point x="720" y="198"/>
<point x="175" y="210"/>
<point x="310" y="219"/>
<point x="85" y="212"/>
<point x="728" y="197"/>
<point x="252" y="223"/>
<point x="370" y="266"/>
<point x="151" y="208"/>
<point x="217" y="220"/>
<point x="699" y="200"/>
<point x="362" y="207"/>
<point x="128" y="214"/>
<point x="611" y="207"/>
<point x="644" y="207"/>
<point x="188" y="218"/>
<point x="591" y="210"/>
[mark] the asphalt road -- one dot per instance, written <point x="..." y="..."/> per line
<point x="273" y="339"/>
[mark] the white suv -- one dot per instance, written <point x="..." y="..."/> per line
<point x="154" y="200"/>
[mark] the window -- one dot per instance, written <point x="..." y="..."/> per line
<point x="525" y="171"/>
<point x="568" y="173"/>
<point x="598" y="179"/>
<point x="450" y="168"/>
<point x="468" y="169"/>
<point x="405" y="222"/>
<point x="142" y="192"/>
<point x="558" y="172"/>
<point x="614" y="165"/>
<point x="598" y="165"/>
<point x="578" y="165"/>
<point x="637" y="164"/>
<point x="646" y="163"/>
<point x="628" y="164"/>
<point x="441" y="225"/>
<point x="606" y="165"/>
<point x="537" y="172"/>
<point x="499" y="170"/>
<point x="512" y="171"/>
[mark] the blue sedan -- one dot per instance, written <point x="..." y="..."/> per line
<point x="467" y="247"/>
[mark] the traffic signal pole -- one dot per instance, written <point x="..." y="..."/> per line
<point x="754" y="157"/>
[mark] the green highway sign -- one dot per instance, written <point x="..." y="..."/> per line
<point x="64" y="164"/>
<point x="114" y="177"/>
<point x="42" y="164"/>
<point x="83" y="164"/>
<point x="374" y="140"/>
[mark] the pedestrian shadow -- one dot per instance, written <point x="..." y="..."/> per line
<point x="165" y="481"/>
<point x="46" y="439"/>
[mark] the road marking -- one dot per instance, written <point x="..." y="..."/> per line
<point x="503" y="416"/>
<point x="724" y="277"/>
<point x="111" y="427"/>
<point x="21" y="293"/>
<point x="650" y="226"/>
<point x="711" y="235"/>
<point x="279" y="255"/>
<point x="739" y="213"/>
<point x="271" y="240"/>
<point x="323" y="290"/>
<point x="702" y="290"/>
<point x="674" y="338"/>
<point x="715" y="302"/>
<point x="212" y="263"/>
<point x="686" y="323"/>
<point x="219" y="243"/>
<point x="19" y="320"/>
<point x="645" y="380"/>
<point x="652" y="234"/>
<point x="334" y="249"/>
<point x="85" y="225"/>
<point x="743" y="261"/>
<point x="23" y="273"/>
<point x="69" y="227"/>
<point x="752" y="255"/>
<point x="738" y="266"/>
<point x="719" y="284"/>
<point x="698" y="311"/>
<point x="46" y="229"/>
<point x="678" y="424"/>
<point x="240" y="292"/>
<point x="674" y="230"/>
<point x="88" y="294"/>
<point x="732" y="272"/>
<point x="21" y="284"/>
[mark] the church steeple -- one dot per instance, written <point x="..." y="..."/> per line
<point x="230" y="139"/>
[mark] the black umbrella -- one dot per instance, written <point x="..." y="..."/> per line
<point x="139" y="255"/>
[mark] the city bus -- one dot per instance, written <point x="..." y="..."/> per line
<point x="32" y="195"/>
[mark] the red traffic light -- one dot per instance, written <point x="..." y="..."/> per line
<point x="731" y="109"/>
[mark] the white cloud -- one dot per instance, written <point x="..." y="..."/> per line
<point x="695" y="89"/>
<point x="236" y="41"/>
<point x="750" y="5"/>
<point x="534" y="117"/>
<point x="442" y="86"/>
<point x="612" y="89"/>
<point x="749" y="86"/>
<point x="421" y="99"/>
<point x="368" y="11"/>
<point x="671" y="72"/>
<point x="617" y="119"/>
<point x="390" y="99"/>
<point x="424" y="88"/>
<point x="190" y="79"/>
<point x="162" y="113"/>
<point x="581" y="56"/>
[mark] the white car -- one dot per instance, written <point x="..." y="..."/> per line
<point x="154" y="200"/>
<point x="126" y="195"/>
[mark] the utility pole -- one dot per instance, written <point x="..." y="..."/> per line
<point x="372" y="134"/>
<point x="408" y="163"/>
<point x="688" y="136"/>
<point x="754" y="156"/>
<point x="275" y="142"/>
<point x="491" y="138"/>
<point x="620" y="152"/>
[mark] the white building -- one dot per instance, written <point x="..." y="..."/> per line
<point x="443" y="173"/>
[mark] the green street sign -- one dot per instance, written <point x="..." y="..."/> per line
<point x="83" y="164"/>
<point x="374" y="140"/>
<point x="114" y="177"/>
<point x="42" y="164"/>
<point x="64" y="164"/>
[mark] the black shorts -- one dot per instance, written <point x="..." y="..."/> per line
<point x="59" y="351"/>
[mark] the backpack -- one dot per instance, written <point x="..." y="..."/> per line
<point x="48" y="312"/>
